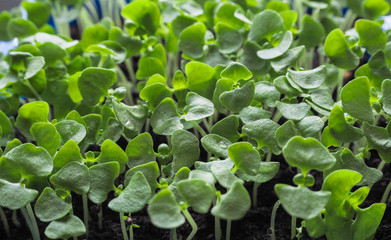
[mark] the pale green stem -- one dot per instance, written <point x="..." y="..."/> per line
<point x="273" y="220"/>
<point x="129" y="67"/>
<point x="32" y="89"/>
<point x="199" y="129"/>
<point x="71" y="213"/>
<point x="293" y="227"/>
<point x="255" y="194"/>
<point x="228" y="230"/>
<point x="28" y="221"/>
<point x="125" y="83"/>
<point x="349" y="19"/>
<point x="173" y="234"/>
<point x="85" y="212"/>
<point x="300" y="11"/>
<point x="102" y="60"/>
<point x="206" y="124"/>
<point x="192" y="224"/>
<point x="386" y="193"/>
<point x="5" y="222"/>
<point x="217" y="225"/>
<point x="33" y="221"/>
<point x="381" y="165"/>
<point x="123" y="227"/>
<point x="14" y="219"/>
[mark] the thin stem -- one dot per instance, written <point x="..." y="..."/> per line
<point x="131" y="232"/>
<point x="100" y="217"/>
<point x="32" y="89"/>
<point x="199" y="129"/>
<point x="349" y="19"/>
<point x="123" y="227"/>
<point x="273" y="220"/>
<point x="14" y="218"/>
<point x="85" y="212"/>
<point x="217" y="225"/>
<point x="28" y="220"/>
<point x="129" y="67"/>
<point x="386" y="193"/>
<point x="192" y="224"/>
<point x="173" y="234"/>
<point x="293" y="227"/>
<point x="300" y="11"/>
<point x="255" y="194"/>
<point x="5" y="222"/>
<point x="102" y="60"/>
<point x="33" y="222"/>
<point x="125" y="83"/>
<point x="228" y="230"/>
<point x="269" y="157"/>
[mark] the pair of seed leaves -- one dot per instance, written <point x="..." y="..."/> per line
<point x="336" y="219"/>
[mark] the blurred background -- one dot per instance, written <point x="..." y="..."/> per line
<point x="8" y="4"/>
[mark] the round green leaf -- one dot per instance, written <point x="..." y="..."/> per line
<point x="29" y="114"/>
<point x="197" y="107"/>
<point x="155" y="93"/>
<point x="245" y="157"/>
<point x="386" y="92"/>
<point x="94" y="84"/>
<point x="74" y="177"/>
<point x="307" y="154"/>
<point x="300" y="201"/>
<point x="266" y="172"/>
<point x="285" y="132"/>
<point x="111" y="152"/>
<point x="197" y="193"/>
<point x="148" y="66"/>
<point x="131" y="117"/>
<point x="69" y="152"/>
<point x="14" y="195"/>
<point x="339" y="52"/>
<point x="239" y="98"/>
<point x="191" y="40"/>
<point x="165" y="119"/>
<point x="200" y="78"/>
<point x="228" y="128"/>
<point x="224" y="175"/>
<point x="340" y="129"/>
<point x="102" y="178"/>
<point x="289" y="58"/>
<point x="310" y="126"/>
<point x="264" y="25"/>
<point x="46" y="136"/>
<point x="266" y="93"/>
<point x="355" y="99"/>
<point x="311" y="32"/>
<point x="277" y="51"/>
<point x="293" y="111"/>
<point x="140" y="150"/>
<point x="71" y="130"/>
<point x="371" y="35"/>
<point x="250" y="114"/>
<point x="30" y="160"/>
<point x="66" y="227"/>
<point x="21" y="28"/>
<point x="133" y="197"/>
<point x="379" y="139"/>
<point x="216" y="145"/>
<point x="309" y="79"/>
<point x="151" y="173"/>
<point x="164" y="211"/>
<point x="145" y="14"/>
<point x="6" y="130"/>
<point x="236" y="71"/>
<point x="234" y="204"/>
<point x="264" y="132"/>
<point x="228" y="39"/>
<point x="50" y="207"/>
<point x="185" y="149"/>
